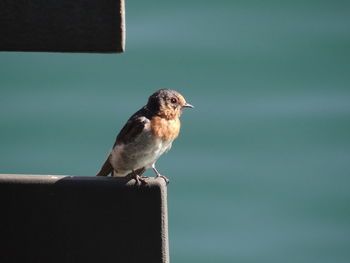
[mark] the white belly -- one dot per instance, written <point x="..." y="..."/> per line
<point x="144" y="152"/>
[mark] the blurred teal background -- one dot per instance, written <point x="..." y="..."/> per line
<point x="261" y="171"/>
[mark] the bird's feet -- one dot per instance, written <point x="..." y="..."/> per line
<point x="167" y="181"/>
<point x="159" y="175"/>
<point x="139" y="180"/>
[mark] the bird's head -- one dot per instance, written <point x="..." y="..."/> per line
<point x="167" y="103"/>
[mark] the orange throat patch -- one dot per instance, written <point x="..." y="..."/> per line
<point x="164" y="129"/>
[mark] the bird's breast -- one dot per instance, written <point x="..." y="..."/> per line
<point x="141" y="152"/>
<point x="165" y="129"/>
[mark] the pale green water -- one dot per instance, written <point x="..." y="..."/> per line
<point x="261" y="171"/>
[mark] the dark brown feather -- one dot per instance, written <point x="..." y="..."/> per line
<point x="106" y="168"/>
<point x="133" y="127"/>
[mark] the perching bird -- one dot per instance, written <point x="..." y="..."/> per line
<point x="148" y="134"/>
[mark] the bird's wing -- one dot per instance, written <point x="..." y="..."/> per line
<point x="133" y="127"/>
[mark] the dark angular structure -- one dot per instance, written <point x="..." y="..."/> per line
<point x="62" y="26"/>
<point x="63" y="219"/>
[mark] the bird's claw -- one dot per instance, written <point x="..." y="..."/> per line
<point x="140" y="180"/>
<point x="167" y="181"/>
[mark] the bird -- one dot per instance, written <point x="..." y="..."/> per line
<point x="146" y="135"/>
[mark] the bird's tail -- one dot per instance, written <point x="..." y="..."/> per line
<point x="106" y="168"/>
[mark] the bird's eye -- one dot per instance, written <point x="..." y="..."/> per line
<point x="173" y="100"/>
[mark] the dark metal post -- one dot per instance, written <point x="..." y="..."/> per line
<point x="62" y="26"/>
<point x="82" y="219"/>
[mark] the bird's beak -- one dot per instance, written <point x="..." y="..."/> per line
<point x="187" y="105"/>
